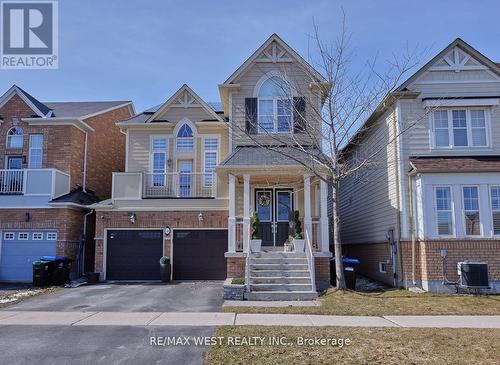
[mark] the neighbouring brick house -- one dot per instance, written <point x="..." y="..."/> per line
<point x="193" y="179"/>
<point x="433" y="197"/>
<point x="56" y="158"/>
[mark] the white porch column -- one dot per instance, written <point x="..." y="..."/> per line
<point x="307" y="206"/>
<point x="325" y="239"/>
<point x="232" y="218"/>
<point x="246" y="212"/>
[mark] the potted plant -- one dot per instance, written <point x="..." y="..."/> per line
<point x="256" y="241"/>
<point x="165" y="269"/>
<point x="299" y="242"/>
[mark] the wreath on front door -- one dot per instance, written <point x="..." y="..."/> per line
<point x="264" y="200"/>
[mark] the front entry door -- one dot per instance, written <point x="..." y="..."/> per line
<point x="274" y="207"/>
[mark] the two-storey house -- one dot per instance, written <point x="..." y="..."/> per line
<point x="432" y="197"/>
<point x="194" y="176"/>
<point x="56" y="158"/>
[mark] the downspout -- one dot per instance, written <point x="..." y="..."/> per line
<point x="412" y="228"/>
<point x="399" y="176"/>
<point x="84" y="180"/>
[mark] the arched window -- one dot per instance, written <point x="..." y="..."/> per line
<point x="15" y="137"/>
<point x="275" y="106"/>
<point x="185" y="140"/>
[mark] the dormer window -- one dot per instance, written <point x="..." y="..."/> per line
<point x="15" y="137"/>
<point x="460" y="128"/>
<point x="185" y="140"/>
<point x="275" y="106"/>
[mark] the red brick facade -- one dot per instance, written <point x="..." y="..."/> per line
<point x="67" y="222"/>
<point x="236" y="267"/>
<point x="153" y="219"/>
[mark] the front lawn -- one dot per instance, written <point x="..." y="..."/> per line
<point x="368" y="346"/>
<point x="9" y="296"/>
<point x="390" y="302"/>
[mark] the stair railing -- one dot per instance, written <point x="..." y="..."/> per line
<point x="310" y="261"/>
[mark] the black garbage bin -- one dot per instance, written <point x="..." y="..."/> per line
<point x="349" y="272"/>
<point x="57" y="268"/>
<point x="68" y="264"/>
<point x="42" y="273"/>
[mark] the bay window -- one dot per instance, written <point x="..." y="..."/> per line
<point x="459" y="128"/>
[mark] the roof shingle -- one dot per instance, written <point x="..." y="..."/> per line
<point x="456" y="164"/>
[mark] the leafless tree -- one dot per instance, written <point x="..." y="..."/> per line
<point x="326" y="116"/>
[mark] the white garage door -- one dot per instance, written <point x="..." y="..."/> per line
<point x="18" y="250"/>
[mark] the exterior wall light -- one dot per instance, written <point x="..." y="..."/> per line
<point x="132" y="218"/>
<point x="200" y="217"/>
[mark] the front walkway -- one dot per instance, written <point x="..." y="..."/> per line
<point x="199" y="319"/>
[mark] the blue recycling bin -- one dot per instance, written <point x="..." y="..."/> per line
<point x="350" y="266"/>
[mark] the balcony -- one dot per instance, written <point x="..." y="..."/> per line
<point x="137" y="185"/>
<point x="32" y="187"/>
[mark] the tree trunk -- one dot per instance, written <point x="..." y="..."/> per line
<point x="337" y="245"/>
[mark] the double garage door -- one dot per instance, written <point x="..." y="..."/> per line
<point x="196" y="254"/>
<point x="18" y="250"/>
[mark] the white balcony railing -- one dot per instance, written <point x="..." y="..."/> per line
<point x="34" y="182"/>
<point x="12" y="182"/>
<point x="179" y="185"/>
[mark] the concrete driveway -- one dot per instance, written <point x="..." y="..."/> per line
<point x="186" y="296"/>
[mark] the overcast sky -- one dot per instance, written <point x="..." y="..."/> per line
<point x="145" y="50"/>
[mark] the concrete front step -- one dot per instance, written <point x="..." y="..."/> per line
<point x="278" y="260"/>
<point x="281" y="295"/>
<point x="278" y="266"/>
<point x="278" y="254"/>
<point x="281" y="280"/>
<point x="280" y="273"/>
<point x="280" y="287"/>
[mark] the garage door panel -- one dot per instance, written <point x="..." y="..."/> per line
<point x="199" y="254"/>
<point x="17" y="256"/>
<point x="134" y="254"/>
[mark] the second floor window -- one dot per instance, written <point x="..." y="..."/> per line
<point x="36" y="151"/>
<point x="185" y="140"/>
<point x="210" y="160"/>
<point x="15" y="137"/>
<point x="460" y="128"/>
<point x="159" y="160"/>
<point x="274" y="110"/>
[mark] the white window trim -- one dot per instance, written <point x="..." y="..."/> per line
<point x="451" y="146"/>
<point x="481" y="233"/>
<point x="152" y="152"/>
<point x="490" y="196"/>
<point x="27" y="235"/>
<point x="34" y="234"/>
<point x="31" y="149"/>
<point x="9" y="137"/>
<point x="176" y="131"/>
<point x="380" y="269"/>
<point x="7" y="234"/>
<point x="274" y="99"/>
<point x="54" y="235"/>
<point x="452" y="206"/>
<point x="217" y="154"/>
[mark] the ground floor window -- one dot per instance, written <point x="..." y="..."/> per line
<point x="495" y="208"/>
<point x="471" y="210"/>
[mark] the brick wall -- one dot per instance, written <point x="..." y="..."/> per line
<point x="236" y="267"/>
<point x="370" y="255"/>
<point x="151" y="219"/>
<point x="429" y="264"/>
<point x="67" y="222"/>
<point x="106" y="150"/>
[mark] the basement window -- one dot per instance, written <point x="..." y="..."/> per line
<point x="382" y="267"/>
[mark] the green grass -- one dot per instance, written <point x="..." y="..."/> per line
<point x="391" y="302"/>
<point x="385" y="346"/>
<point x="238" y="281"/>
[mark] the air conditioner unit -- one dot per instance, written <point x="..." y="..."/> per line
<point x="473" y="274"/>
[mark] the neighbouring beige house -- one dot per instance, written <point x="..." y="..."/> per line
<point x="194" y="177"/>
<point x="432" y="199"/>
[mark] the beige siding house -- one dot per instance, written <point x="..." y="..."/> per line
<point x="432" y="198"/>
<point x="195" y="176"/>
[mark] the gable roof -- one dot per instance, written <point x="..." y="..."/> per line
<point x="83" y="109"/>
<point x="275" y="38"/>
<point x="174" y="98"/>
<point x="38" y="107"/>
<point x="495" y="67"/>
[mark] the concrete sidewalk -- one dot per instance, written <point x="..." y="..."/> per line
<point x="200" y="319"/>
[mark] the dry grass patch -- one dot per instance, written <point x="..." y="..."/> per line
<point x="391" y="302"/>
<point x="368" y="346"/>
<point x="13" y="296"/>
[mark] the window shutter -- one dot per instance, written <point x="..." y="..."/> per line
<point x="299" y="110"/>
<point x="251" y="115"/>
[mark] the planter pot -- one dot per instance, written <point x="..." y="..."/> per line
<point x="255" y="245"/>
<point x="165" y="273"/>
<point x="299" y="245"/>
